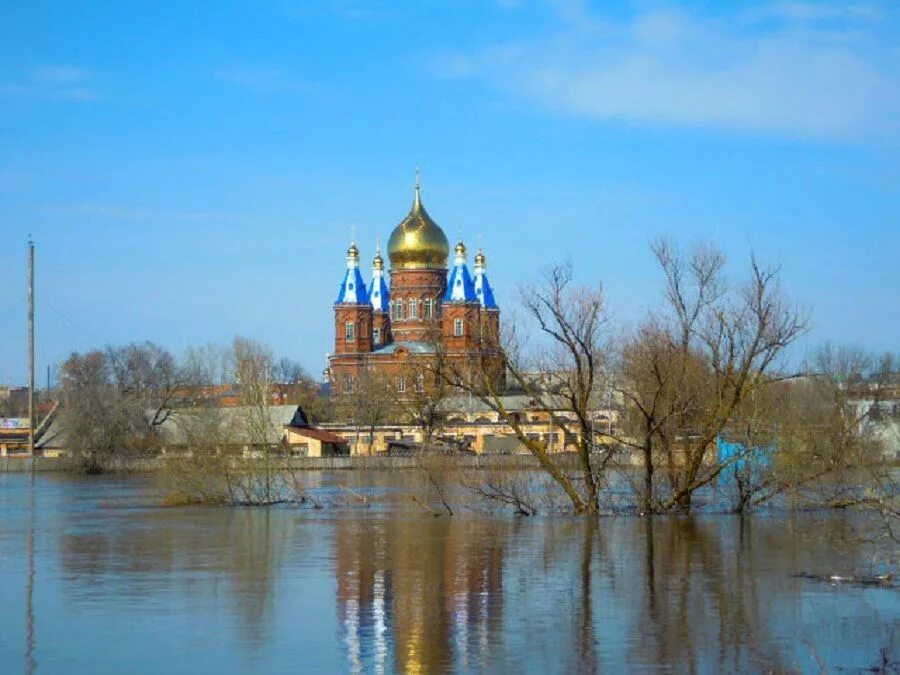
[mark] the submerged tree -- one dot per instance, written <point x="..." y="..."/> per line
<point x="368" y="403"/>
<point x="114" y="401"/>
<point x="561" y="378"/>
<point x="688" y="370"/>
<point x="423" y="401"/>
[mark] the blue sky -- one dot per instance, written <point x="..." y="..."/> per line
<point x="192" y="171"/>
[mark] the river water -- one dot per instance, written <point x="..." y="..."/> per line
<point x="96" y="578"/>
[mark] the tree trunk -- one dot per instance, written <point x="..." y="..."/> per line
<point x="647" y="501"/>
<point x="593" y="498"/>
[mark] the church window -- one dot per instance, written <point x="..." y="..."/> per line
<point x="457" y="327"/>
<point x="348" y="383"/>
<point x="398" y="310"/>
<point x="350" y="331"/>
<point x="420" y="382"/>
<point x="401" y="384"/>
<point x="429" y="308"/>
<point x="413" y="309"/>
<point x="376" y="335"/>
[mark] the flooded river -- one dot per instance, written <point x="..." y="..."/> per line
<point x="96" y="578"/>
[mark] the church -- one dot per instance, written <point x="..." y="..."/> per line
<point x="419" y="319"/>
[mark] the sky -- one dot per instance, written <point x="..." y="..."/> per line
<point x="193" y="171"/>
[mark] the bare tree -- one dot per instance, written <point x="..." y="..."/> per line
<point x="115" y="400"/>
<point x="252" y="364"/>
<point x="687" y="371"/>
<point x="423" y="403"/>
<point x="205" y="365"/>
<point x="370" y="403"/>
<point x="146" y="374"/>
<point x="572" y="321"/>
<point x="830" y="449"/>
<point x="232" y="454"/>
<point x="297" y="386"/>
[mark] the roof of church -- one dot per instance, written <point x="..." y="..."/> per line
<point x="379" y="294"/>
<point x="353" y="289"/>
<point x="483" y="290"/>
<point x="414" y="347"/>
<point x="418" y="242"/>
<point x="460" y="286"/>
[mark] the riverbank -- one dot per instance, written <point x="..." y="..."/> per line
<point x="153" y="464"/>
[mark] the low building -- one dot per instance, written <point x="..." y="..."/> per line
<point x="471" y="424"/>
<point x="14" y="435"/>
<point x="250" y="430"/>
<point x="307" y="441"/>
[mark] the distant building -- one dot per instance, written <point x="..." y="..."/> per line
<point x="421" y="314"/>
<point x="250" y="430"/>
<point x="470" y="424"/>
<point x="879" y="415"/>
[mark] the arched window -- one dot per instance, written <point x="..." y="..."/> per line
<point x="457" y="327"/>
<point x="350" y="331"/>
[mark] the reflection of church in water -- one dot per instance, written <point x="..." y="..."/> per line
<point x="444" y="608"/>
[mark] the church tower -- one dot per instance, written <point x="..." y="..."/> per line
<point x="352" y="310"/>
<point x="380" y="297"/>
<point x="490" y="312"/>
<point x="461" y="317"/>
<point x="418" y="252"/>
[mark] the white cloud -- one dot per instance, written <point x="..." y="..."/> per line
<point x="796" y="77"/>
<point x="63" y="81"/>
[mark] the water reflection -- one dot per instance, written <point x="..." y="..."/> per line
<point x="115" y="584"/>
<point x="30" y="637"/>
<point x="201" y="555"/>
<point x="416" y="594"/>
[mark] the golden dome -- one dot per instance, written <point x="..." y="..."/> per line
<point x="418" y="242"/>
<point x="479" y="259"/>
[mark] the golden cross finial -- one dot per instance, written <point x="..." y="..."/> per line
<point x="417" y="200"/>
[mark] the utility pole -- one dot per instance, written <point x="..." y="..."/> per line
<point x="31" y="347"/>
